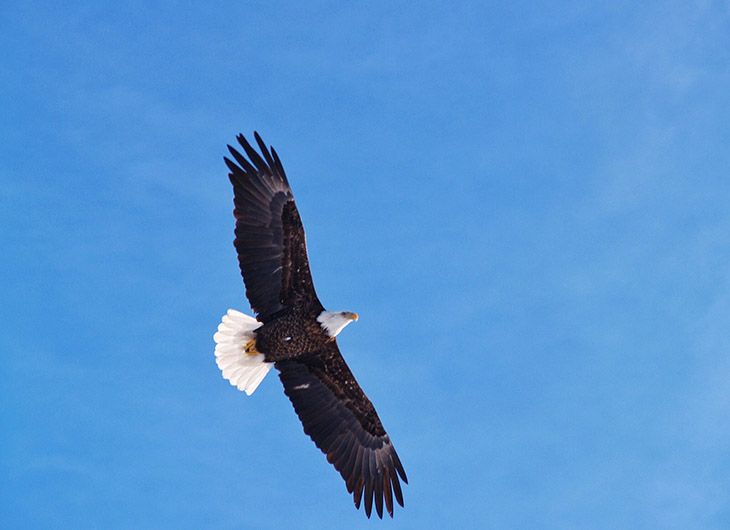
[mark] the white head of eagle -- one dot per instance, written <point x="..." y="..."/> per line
<point x="335" y="321"/>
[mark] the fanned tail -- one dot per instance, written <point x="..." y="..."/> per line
<point x="243" y="370"/>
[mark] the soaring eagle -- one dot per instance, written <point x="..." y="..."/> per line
<point x="294" y="333"/>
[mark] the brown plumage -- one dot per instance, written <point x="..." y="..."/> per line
<point x="333" y="409"/>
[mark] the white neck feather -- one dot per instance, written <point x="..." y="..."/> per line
<point x="334" y="321"/>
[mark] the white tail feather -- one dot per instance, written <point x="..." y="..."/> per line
<point x="241" y="369"/>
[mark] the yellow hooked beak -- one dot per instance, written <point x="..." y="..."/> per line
<point x="352" y="316"/>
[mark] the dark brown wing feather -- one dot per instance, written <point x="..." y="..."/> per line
<point x="270" y="242"/>
<point x="342" y="422"/>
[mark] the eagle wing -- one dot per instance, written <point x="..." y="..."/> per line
<point x="270" y="242"/>
<point x="342" y="422"/>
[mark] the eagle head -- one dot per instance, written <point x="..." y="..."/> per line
<point x="334" y="321"/>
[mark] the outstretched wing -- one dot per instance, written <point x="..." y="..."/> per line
<point x="342" y="422"/>
<point x="272" y="251"/>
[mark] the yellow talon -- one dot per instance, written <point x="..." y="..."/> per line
<point x="250" y="347"/>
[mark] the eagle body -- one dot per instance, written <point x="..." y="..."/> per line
<point x="294" y="334"/>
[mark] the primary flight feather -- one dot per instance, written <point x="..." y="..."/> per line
<point x="293" y="332"/>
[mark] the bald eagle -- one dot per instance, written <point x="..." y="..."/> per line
<point x="294" y="333"/>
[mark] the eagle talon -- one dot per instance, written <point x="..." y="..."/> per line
<point x="250" y="347"/>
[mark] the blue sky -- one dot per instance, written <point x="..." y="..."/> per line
<point x="526" y="203"/>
